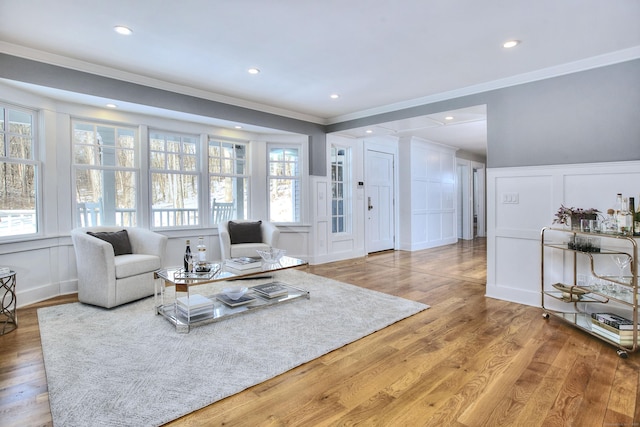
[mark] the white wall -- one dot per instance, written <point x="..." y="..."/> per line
<point x="427" y="194"/>
<point x="513" y="229"/>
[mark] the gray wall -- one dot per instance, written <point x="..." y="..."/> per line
<point x="589" y="116"/>
<point x="29" y="71"/>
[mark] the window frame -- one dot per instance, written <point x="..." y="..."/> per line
<point x="246" y="176"/>
<point x="197" y="173"/>
<point x="135" y="169"/>
<point x="34" y="161"/>
<point x="300" y="178"/>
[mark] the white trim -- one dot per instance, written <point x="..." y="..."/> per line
<point x="100" y="70"/>
<point x="545" y="73"/>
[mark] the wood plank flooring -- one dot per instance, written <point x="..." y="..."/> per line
<point x="467" y="361"/>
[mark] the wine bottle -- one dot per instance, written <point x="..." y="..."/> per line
<point x="202" y="250"/>
<point x="636" y="221"/>
<point x="630" y="216"/>
<point x="187" y="257"/>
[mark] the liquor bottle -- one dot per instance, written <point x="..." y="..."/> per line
<point x="202" y="250"/>
<point x="630" y="216"/>
<point x="618" y="206"/>
<point x="188" y="259"/>
<point x="624" y="218"/>
<point x="636" y="221"/>
<point x="610" y="222"/>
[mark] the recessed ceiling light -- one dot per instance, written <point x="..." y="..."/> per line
<point x="111" y="106"/>
<point x="121" y="29"/>
<point x="238" y="127"/>
<point x="334" y="96"/>
<point x="449" y="118"/>
<point x="511" y="43"/>
<point x="253" y="71"/>
<point x="368" y="131"/>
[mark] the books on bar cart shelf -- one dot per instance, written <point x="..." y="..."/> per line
<point x="619" y="337"/>
<point x="271" y="289"/>
<point x="615" y="321"/>
<point x="244" y="263"/>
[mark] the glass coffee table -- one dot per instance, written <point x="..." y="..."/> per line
<point x="187" y="307"/>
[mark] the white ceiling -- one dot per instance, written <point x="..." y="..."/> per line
<point x="379" y="55"/>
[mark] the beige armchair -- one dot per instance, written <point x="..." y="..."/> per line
<point x="246" y="237"/>
<point x="107" y="278"/>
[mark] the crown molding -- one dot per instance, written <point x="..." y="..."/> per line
<point x="542" y="74"/>
<point x="103" y="71"/>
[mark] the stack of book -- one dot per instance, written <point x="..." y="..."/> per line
<point x="194" y="306"/>
<point x="613" y="327"/>
<point x="244" y="263"/>
<point x="271" y="289"/>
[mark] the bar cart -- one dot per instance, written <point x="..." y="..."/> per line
<point x="580" y="284"/>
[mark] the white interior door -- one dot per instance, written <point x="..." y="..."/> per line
<point x="465" y="203"/>
<point x="380" y="201"/>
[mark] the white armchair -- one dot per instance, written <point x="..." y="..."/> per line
<point x="106" y="279"/>
<point x="269" y="235"/>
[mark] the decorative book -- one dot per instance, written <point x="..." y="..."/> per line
<point x="244" y="299"/>
<point x="194" y="301"/>
<point x="244" y="263"/>
<point x="613" y="320"/>
<point x="271" y="289"/>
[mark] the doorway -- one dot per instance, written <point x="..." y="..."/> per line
<point x="380" y="199"/>
<point x="470" y="199"/>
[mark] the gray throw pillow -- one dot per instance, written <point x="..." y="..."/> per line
<point x="245" y="232"/>
<point x="118" y="239"/>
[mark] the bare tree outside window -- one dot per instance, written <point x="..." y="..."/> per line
<point x="284" y="184"/>
<point x="174" y="166"/>
<point x="18" y="172"/>
<point x="106" y="174"/>
<point x="228" y="180"/>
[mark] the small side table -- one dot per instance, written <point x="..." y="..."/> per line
<point x="8" y="319"/>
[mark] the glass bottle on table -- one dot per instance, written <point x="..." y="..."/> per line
<point x="202" y="251"/>
<point x="188" y="258"/>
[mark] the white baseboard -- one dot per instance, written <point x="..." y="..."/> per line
<point x="45" y="292"/>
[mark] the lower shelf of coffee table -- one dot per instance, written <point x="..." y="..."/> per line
<point x="221" y="311"/>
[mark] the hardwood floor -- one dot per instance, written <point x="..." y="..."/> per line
<point x="467" y="361"/>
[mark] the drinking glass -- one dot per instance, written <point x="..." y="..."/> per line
<point x="622" y="261"/>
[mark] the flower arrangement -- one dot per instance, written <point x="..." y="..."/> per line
<point x="563" y="214"/>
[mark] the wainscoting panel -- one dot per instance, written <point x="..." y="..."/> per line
<point x="521" y="201"/>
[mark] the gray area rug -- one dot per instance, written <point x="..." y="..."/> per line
<point x="128" y="367"/>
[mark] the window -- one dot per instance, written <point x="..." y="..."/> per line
<point x="340" y="184"/>
<point x="228" y="181"/>
<point x="284" y="184"/>
<point x="174" y="169"/>
<point x="18" y="172"/>
<point x="106" y="174"/>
